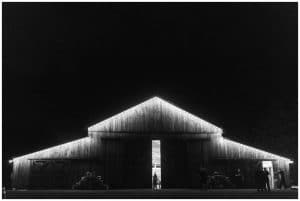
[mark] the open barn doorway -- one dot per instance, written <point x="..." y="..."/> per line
<point x="156" y="165"/>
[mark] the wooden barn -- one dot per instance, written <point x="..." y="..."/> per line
<point x="119" y="149"/>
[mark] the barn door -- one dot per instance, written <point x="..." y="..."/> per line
<point x="138" y="164"/>
<point x="173" y="163"/>
<point x="114" y="163"/>
<point x="194" y="161"/>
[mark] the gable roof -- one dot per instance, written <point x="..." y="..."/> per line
<point x="155" y="115"/>
<point x="158" y="114"/>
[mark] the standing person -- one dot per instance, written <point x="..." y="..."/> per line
<point x="266" y="180"/>
<point x="259" y="179"/>
<point x="159" y="184"/>
<point x="238" y="178"/>
<point x="155" y="179"/>
<point x="282" y="180"/>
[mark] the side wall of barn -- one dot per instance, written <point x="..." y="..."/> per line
<point x="115" y="158"/>
<point x="228" y="151"/>
<point x="82" y="149"/>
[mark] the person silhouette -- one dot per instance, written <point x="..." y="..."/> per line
<point x="155" y="180"/>
<point x="282" y="182"/>
<point x="259" y="179"/>
<point x="238" y="178"/>
<point x="266" y="179"/>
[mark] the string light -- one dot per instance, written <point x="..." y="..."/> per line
<point x="266" y="154"/>
<point x="58" y="148"/>
<point x="155" y="101"/>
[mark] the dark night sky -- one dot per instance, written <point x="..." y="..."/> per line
<point x="67" y="66"/>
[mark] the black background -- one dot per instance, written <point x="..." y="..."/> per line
<point x="69" y="65"/>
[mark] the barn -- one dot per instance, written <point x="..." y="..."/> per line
<point x="120" y="150"/>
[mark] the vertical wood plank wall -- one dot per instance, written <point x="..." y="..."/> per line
<point x="195" y="159"/>
<point x="114" y="162"/>
<point x="138" y="163"/>
<point x="84" y="148"/>
<point x="181" y="159"/>
<point x="119" y="148"/>
<point x="173" y="163"/>
<point x="243" y="156"/>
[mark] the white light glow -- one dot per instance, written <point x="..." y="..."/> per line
<point x="252" y="149"/>
<point x="155" y="101"/>
<point x="191" y="116"/>
<point x="244" y="149"/>
<point x="57" y="149"/>
<point x="267" y="164"/>
<point x="156" y="159"/>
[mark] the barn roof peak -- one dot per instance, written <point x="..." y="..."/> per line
<point x="156" y="99"/>
<point x="155" y="114"/>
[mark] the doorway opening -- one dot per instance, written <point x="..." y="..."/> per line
<point x="156" y="165"/>
<point x="269" y="166"/>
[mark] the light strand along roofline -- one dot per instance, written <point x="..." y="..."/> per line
<point x="234" y="143"/>
<point x="154" y="100"/>
<point x="43" y="151"/>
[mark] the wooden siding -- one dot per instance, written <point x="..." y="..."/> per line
<point x="138" y="164"/>
<point x="196" y="158"/>
<point x="223" y="148"/>
<point x="120" y="150"/>
<point x="126" y="162"/>
<point x="182" y="160"/>
<point x="79" y="149"/>
<point x="173" y="164"/>
<point x="60" y="173"/>
<point x="152" y="135"/>
<point x="114" y="161"/>
<point x="155" y="115"/>
<point x="242" y="156"/>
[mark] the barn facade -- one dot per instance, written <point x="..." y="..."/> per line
<point x="119" y="149"/>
